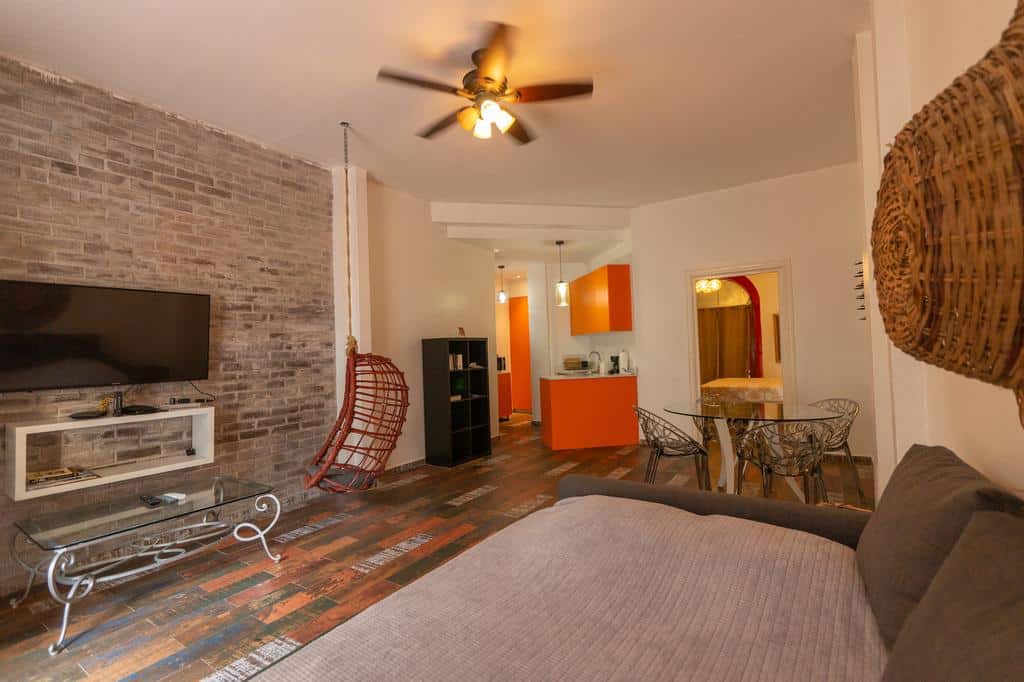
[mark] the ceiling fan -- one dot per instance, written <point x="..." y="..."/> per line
<point x="487" y="87"/>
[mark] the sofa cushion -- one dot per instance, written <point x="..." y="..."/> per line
<point x="926" y="505"/>
<point x="970" y="623"/>
<point x="601" y="588"/>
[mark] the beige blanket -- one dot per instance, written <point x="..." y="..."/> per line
<point x="600" y="588"/>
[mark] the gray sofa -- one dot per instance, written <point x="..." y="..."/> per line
<point x="627" y="581"/>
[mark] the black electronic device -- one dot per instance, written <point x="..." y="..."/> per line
<point x="68" y="336"/>
<point x="139" y="409"/>
<point x="150" y="501"/>
<point x="88" y="414"/>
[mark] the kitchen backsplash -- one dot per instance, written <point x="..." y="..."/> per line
<point x="613" y="344"/>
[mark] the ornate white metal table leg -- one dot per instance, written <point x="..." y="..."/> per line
<point x="77" y="588"/>
<point x="262" y="504"/>
<point x="727" y="477"/>
<point x="39" y="569"/>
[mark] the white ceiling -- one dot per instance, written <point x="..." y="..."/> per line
<point x="690" y="95"/>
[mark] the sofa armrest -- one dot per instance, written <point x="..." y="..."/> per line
<point x="839" y="525"/>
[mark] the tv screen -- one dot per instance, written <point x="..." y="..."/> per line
<point x="63" y="336"/>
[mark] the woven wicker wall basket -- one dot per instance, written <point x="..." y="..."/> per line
<point x="948" y="235"/>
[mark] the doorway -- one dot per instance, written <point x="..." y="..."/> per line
<point x="740" y="336"/>
<point x="519" y="353"/>
<point x="512" y="313"/>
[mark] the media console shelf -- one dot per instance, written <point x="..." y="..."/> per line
<point x="17" y="451"/>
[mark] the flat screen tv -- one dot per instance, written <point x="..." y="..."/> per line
<point x="64" y="336"/>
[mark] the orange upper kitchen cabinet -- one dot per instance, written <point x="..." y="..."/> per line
<point x="601" y="301"/>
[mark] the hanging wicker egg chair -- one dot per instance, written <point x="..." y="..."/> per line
<point x="367" y="429"/>
<point x="373" y="409"/>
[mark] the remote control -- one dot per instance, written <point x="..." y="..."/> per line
<point x="150" y="501"/>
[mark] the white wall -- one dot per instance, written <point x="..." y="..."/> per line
<point x="976" y="420"/>
<point x="562" y="342"/>
<point x="812" y="221"/>
<point x="423" y="285"/>
<point x="613" y="343"/>
<point x="540" y="343"/>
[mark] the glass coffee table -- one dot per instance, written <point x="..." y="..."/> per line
<point x="138" y="538"/>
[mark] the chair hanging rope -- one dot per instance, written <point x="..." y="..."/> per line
<point x="372" y="412"/>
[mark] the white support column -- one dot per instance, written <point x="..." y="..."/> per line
<point x="360" y="263"/>
<point x="883" y="107"/>
<point x="866" y="103"/>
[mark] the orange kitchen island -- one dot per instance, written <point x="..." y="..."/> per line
<point x="588" y="411"/>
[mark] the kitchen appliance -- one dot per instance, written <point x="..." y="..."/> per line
<point x="614" y="368"/>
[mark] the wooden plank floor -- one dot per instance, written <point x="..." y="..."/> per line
<point x="230" y="612"/>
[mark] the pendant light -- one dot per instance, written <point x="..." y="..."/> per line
<point x="562" y="287"/>
<point x="502" y="296"/>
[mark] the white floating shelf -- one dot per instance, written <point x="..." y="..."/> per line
<point x="17" y="447"/>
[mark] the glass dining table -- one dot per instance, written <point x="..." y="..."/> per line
<point x="721" y="412"/>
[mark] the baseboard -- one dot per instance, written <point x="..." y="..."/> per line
<point x="857" y="459"/>
<point x="415" y="464"/>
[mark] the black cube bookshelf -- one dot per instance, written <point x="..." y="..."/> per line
<point x="456" y="400"/>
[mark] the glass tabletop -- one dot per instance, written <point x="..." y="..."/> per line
<point x="56" y="530"/>
<point x="751" y="411"/>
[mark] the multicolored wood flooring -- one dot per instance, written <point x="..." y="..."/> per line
<point x="228" y="613"/>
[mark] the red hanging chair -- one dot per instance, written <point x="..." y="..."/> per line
<point x="368" y="426"/>
<point x="372" y="412"/>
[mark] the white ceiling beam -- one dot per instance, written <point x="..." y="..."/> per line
<point x="532" y="233"/>
<point x="528" y="214"/>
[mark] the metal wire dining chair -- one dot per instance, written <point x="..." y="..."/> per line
<point x="666" y="440"/>
<point x="793" y="449"/>
<point x="706" y="425"/>
<point x="838" y="439"/>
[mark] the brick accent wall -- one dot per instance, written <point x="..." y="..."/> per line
<point x="98" y="190"/>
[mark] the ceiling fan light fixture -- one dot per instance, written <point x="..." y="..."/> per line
<point x="504" y="121"/>
<point x="492" y="112"/>
<point x="468" y="117"/>
<point x="482" y="129"/>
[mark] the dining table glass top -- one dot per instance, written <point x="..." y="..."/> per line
<point x="750" y="411"/>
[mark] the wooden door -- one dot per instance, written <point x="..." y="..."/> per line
<point x="519" y="352"/>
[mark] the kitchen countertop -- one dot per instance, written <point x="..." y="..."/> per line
<point x="561" y="377"/>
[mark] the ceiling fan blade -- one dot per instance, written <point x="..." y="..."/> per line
<point x="416" y="81"/>
<point x="494" y="63"/>
<point x="519" y="132"/>
<point x="541" y="93"/>
<point x="437" y="127"/>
